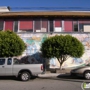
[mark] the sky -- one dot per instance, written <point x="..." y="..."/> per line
<point x="45" y="3"/>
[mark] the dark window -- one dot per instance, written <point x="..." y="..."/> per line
<point x="2" y="61"/>
<point x="1" y="25"/>
<point x="9" y="62"/>
<point x="75" y="26"/>
<point x="16" y="61"/>
<point x="37" y="25"/>
<point x="15" y="26"/>
<point x="51" y="25"/>
<point x="84" y="25"/>
<point x="44" y="27"/>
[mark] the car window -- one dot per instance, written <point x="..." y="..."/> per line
<point x="16" y="61"/>
<point x="9" y="61"/>
<point x="2" y="61"/>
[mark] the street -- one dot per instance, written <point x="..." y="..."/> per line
<point x="53" y="83"/>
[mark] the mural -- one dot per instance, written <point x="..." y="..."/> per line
<point x="34" y="41"/>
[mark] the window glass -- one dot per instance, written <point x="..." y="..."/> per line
<point x="57" y="25"/>
<point x="75" y="26"/>
<point x="84" y="25"/>
<point x="16" y="61"/>
<point x="44" y="27"/>
<point x="26" y="25"/>
<point x="1" y="25"/>
<point x="68" y="25"/>
<point x="2" y="61"/>
<point x="51" y="25"/>
<point x="37" y="25"/>
<point x="9" y="61"/>
<point x="15" y="26"/>
<point x="41" y="25"/>
<point x="8" y="25"/>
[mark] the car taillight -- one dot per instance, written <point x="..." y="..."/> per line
<point x="41" y="67"/>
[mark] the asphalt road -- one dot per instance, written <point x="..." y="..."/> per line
<point x="54" y="83"/>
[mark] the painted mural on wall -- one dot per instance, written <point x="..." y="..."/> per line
<point x="34" y="41"/>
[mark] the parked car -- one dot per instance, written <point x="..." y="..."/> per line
<point x="83" y="71"/>
<point x="13" y="67"/>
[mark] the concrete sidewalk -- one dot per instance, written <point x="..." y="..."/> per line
<point x="49" y="75"/>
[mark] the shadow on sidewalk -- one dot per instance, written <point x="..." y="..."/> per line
<point x="67" y="77"/>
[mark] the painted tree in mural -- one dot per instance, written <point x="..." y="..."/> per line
<point x="10" y="44"/>
<point x="62" y="47"/>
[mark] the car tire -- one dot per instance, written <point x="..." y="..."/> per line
<point x="25" y="76"/>
<point x="87" y="75"/>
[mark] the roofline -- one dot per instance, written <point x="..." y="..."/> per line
<point x="46" y="13"/>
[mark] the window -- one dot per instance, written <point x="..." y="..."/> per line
<point x="44" y="26"/>
<point x="37" y="25"/>
<point x="68" y="25"/>
<point x="16" y="61"/>
<point x="9" y="25"/>
<point x="40" y="25"/>
<point x="57" y="25"/>
<point x="9" y="61"/>
<point x="25" y="25"/>
<point x="15" y="26"/>
<point x="84" y="25"/>
<point x="51" y="26"/>
<point x="75" y="26"/>
<point x="2" y="61"/>
<point x="1" y="25"/>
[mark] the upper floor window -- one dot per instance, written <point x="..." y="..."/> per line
<point x="58" y="25"/>
<point x="84" y="25"/>
<point x="75" y="26"/>
<point x="68" y="25"/>
<point x="25" y="26"/>
<point x="40" y="25"/>
<point x="1" y="25"/>
<point x="50" y="25"/>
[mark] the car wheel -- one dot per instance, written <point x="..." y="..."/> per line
<point x="25" y="76"/>
<point x="87" y="75"/>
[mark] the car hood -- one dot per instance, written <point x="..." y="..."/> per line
<point x="79" y="67"/>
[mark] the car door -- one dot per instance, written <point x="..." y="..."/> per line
<point x="2" y="66"/>
<point x="8" y="67"/>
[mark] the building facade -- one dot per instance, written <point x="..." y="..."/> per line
<point x="35" y="27"/>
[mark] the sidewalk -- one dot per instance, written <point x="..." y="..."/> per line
<point x="49" y="75"/>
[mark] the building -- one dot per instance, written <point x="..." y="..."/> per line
<point x="33" y="27"/>
<point x="58" y="21"/>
